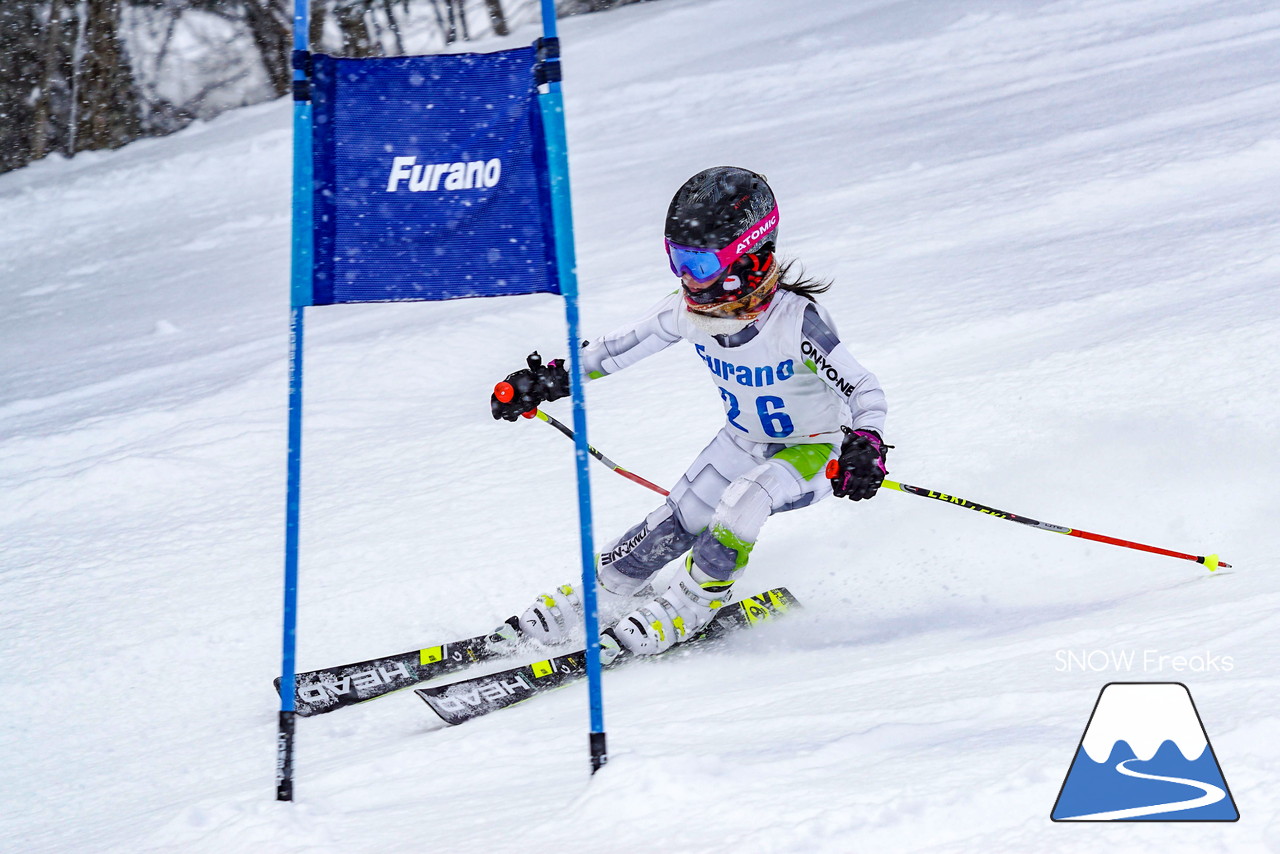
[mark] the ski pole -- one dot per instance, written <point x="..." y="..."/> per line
<point x="1210" y="561"/>
<point x="632" y="476"/>
<point x="504" y="394"/>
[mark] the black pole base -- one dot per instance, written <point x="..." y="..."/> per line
<point x="599" y="754"/>
<point x="284" y="758"/>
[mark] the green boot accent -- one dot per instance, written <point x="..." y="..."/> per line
<point x="730" y="540"/>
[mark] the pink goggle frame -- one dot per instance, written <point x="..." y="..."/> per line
<point x="705" y="264"/>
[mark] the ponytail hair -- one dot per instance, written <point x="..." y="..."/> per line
<point x="801" y="284"/>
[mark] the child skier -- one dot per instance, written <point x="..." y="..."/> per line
<point x="789" y="386"/>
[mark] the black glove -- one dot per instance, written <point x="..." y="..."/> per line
<point x="859" y="470"/>
<point x="521" y="392"/>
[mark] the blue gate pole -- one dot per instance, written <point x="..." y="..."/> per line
<point x="300" y="296"/>
<point x="551" y="104"/>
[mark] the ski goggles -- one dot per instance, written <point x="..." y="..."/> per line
<point x="706" y="264"/>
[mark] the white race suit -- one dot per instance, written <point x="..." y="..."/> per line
<point x="788" y="386"/>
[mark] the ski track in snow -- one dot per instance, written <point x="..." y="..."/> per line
<point x="1053" y="232"/>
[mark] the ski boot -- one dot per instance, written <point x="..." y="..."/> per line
<point x="555" y="618"/>
<point x="677" y="614"/>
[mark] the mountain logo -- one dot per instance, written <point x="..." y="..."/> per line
<point x="1145" y="756"/>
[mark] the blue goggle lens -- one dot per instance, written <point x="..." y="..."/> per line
<point x="702" y="264"/>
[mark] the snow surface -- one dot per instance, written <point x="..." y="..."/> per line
<point x="1053" y="228"/>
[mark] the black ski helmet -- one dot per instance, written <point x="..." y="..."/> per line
<point x="722" y="226"/>
<point x="721" y="205"/>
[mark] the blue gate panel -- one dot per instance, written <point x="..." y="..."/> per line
<point x="430" y="179"/>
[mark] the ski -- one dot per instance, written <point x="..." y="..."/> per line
<point x="319" y="691"/>
<point x="467" y="698"/>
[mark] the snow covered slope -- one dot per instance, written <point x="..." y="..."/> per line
<point x="1053" y="231"/>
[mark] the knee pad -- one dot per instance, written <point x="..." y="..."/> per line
<point x="745" y="505"/>
<point x="723" y="549"/>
